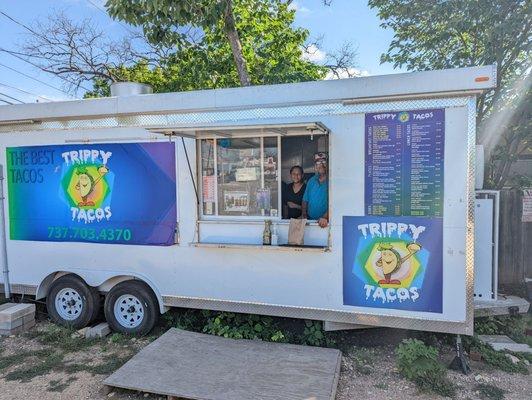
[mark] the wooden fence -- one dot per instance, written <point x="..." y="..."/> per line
<point x="515" y="240"/>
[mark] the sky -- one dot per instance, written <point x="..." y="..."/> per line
<point x="344" y="21"/>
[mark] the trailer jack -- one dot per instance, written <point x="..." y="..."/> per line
<point x="460" y="362"/>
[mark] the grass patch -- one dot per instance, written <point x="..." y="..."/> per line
<point x="119" y="339"/>
<point x="58" y="342"/>
<point x="27" y="372"/>
<point x="109" y="364"/>
<point x="489" y="392"/>
<point x="58" y="385"/>
<point x="64" y="339"/>
<point x="8" y="361"/>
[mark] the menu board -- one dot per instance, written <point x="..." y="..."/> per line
<point x="404" y="163"/>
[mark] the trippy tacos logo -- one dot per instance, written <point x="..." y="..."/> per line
<point x="390" y="262"/>
<point x="404" y="116"/>
<point x="86" y="184"/>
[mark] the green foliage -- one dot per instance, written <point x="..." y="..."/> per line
<point x="489" y="392"/>
<point x="313" y="335"/>
<point x="249" y="326"/>
<point x="419" y="363"/>
<point x="510" y="325"/>
<point x="414" y="358"/>
<point x="243" y="326"/>
<point x="456" y="33"/>
<point x="270" y="44"/>
<point x="497" y="359"/>
<point x="463" y="33"/>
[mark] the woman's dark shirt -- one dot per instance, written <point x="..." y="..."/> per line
<point x="297" y="198"/>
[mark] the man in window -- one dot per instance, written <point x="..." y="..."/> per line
<point x="315" y="204"/>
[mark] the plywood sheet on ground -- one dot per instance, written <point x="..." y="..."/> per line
<point x="197" y="366"/>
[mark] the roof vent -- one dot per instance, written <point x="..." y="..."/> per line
<point x="130" y="89"/>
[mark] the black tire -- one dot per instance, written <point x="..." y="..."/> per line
<point x="75" y="315"/>
<point x="135" y="294"/>
<point x="97" y="304"/>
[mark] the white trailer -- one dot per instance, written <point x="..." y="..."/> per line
<point x="180" y="186"/>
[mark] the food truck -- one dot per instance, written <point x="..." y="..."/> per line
<point x="139" y="203"/>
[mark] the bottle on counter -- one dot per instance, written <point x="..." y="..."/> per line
<point x="267" y="234"/>
<point x="275" y="236"/>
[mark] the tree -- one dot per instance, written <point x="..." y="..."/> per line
<point x="76" y="52"/>
<point x="460" y="33"/>
<point x="163" y="19"/>
<point x="192" y="59"/>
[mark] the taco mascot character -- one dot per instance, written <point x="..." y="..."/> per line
<point x="86" y="184"/>
<point x="390" y="261"/>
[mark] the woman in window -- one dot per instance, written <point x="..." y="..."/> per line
<point x="293" y="195"/>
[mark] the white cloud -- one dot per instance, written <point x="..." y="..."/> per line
<point x="314" y="54"/>
<point x="349" y="73"/>
<point x="299" y="8"/>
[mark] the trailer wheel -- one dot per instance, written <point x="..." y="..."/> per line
<point x="131" y="307"/>
<point x="72" y="303"/>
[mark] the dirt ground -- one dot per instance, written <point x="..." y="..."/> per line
<point x="47" y="363"/>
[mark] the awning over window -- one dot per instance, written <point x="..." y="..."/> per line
<point x="289" y="129"/>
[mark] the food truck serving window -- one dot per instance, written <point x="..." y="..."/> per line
<point x="240" y="176"/>
<point x="245" y="176"/>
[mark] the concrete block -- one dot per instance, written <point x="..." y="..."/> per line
<point x="99" y="331"/>
<point x="18" y="329"/>
<point x="5" y="306"/>
<point x="10" y="314"/>
<point x="502" y="342"/>
<point x="28" y="318"/>
<point x="12" y="324"/>
<point x="29" y="325"/>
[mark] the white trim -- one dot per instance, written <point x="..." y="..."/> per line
<point x="449" y="80"/>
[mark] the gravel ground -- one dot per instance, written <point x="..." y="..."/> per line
<point x="368" y="369"/>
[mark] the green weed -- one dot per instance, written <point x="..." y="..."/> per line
<point x="496" y="359"/>
<point x="64" y="339"/>
<point x="119" y="339"/>
<point x="513" y="326"/>
<point x="489" y="392"/>
<point x="362" y="359"/>
<point x="419" y="363"/>
<point x="58" y="385"/>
